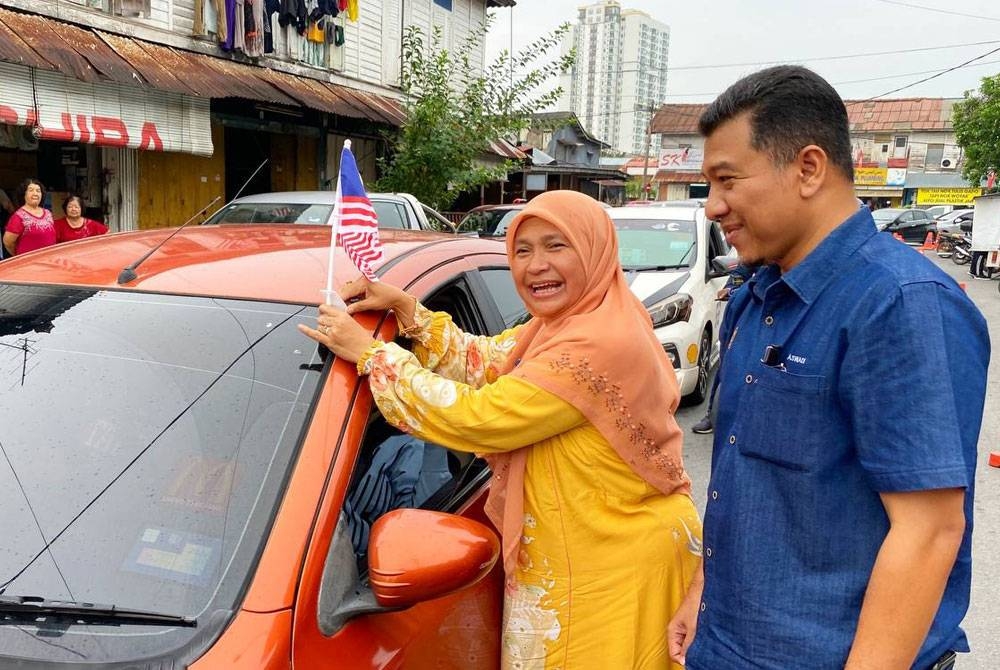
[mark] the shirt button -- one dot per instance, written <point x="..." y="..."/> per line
<point x="749" y="379"/>
<point x="732" y="439"/>
<point x="708" y="552"/>
<point x="703" y="606"/>
<point x="715" y="495"/>
<point x="769" y="320"/>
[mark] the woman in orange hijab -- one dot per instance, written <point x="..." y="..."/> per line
<point x="574" y="412"/>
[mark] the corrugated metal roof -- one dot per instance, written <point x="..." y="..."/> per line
<point x="93" y="56"/>
<point x="505" y="149"/>
<point x="865" y="116"/>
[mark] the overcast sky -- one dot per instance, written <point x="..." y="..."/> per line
<point x="722" y="32"/>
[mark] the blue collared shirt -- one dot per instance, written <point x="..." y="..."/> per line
<point x="877" y="386"/>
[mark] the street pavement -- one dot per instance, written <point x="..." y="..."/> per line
<point x="982" y="624"/>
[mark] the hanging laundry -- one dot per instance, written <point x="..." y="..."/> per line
<point x="271" y="7"/>
<point x="293" y="12"/>
<point x="239" y="27"/>
<point x="255" y="28"/>
<point x="352" y="10"/>
<point x="227" y="36"/>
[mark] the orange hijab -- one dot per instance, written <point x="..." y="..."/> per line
<point x="602" y="357"/>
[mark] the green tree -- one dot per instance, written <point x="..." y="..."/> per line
<point x="455" y="111"/>
<point x="977" y="128"/>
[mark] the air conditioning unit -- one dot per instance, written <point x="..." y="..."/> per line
<point x="947" y="164"/>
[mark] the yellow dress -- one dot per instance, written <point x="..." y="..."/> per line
<point x="605" y="558"/>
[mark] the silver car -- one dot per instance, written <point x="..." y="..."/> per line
<point x="951" y="221"/>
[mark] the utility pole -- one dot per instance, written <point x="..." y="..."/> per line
<point x="645" y="161"/>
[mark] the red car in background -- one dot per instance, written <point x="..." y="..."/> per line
<point x="190" y="482"/>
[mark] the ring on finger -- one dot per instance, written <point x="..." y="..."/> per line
<point x="324" y="329"/>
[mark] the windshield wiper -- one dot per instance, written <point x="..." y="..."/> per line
<point x="648" y="268"/>
<point x="34" y="606"/>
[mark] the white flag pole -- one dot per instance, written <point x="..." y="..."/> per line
<point x="331" y="297"/>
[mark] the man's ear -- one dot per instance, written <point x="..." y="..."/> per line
<point x="813" y="169"/>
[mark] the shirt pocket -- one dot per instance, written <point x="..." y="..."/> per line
<point x="787" y="417"/>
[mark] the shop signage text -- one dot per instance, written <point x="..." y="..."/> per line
<point x="103" y="130"/>
<point x="681" y="159"/>
<point x="870" y="176"/>
<point x="947" y="196"/>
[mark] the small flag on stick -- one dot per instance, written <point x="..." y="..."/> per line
<point x="353" y="221"/>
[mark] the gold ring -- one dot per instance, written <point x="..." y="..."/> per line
<point x="324" y="329"/>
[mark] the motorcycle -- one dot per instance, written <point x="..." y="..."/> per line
<point x="961" y="249"/>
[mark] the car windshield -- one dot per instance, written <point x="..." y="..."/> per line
<point x="272" y="212"/>
<point x="488" y="221"/>
<point x="648" y="243"/>
<point x="146" y="441"/>
<point x="885" y="215"/>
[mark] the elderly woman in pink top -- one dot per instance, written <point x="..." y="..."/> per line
<point x="31" y="226"/>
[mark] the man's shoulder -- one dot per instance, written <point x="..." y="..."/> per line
<point x="883" y="263"/>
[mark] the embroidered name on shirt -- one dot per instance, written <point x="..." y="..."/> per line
<point x="801" y="360"/>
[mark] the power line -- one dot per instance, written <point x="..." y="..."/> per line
<point x="719" y="66"/>
<point x="933" y="76"/>
<point x="939" y="11"/>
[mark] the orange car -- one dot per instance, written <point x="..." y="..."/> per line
<point x="187" y="481"/>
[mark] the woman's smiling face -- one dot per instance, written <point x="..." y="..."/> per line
<point x="548" y="272"/>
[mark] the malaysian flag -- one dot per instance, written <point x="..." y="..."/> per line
<point x="355" y="221"/>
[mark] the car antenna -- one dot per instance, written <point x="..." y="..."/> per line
<point x="128" y="273"/>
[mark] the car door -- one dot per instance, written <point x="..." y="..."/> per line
<point x="457" y="631"/>
<point x="921" y="224"/>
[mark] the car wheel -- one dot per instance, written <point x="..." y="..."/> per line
<point x="701" y="389"/>
<point x="960" y="259"/>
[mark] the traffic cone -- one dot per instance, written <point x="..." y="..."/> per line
<point x="995" y="459"/>
<point x="961" y="285"/>
<point x="930" y="242"/>
<point x="897" y="236"/>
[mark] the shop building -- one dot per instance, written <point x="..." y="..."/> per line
<point x="144" y="109"/>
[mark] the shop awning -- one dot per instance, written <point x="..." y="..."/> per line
<point x="678" y="177"/>
<point x="96" y="57"/>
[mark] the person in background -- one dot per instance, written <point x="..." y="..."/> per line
<point x="7" y="207"/>
<point x="739" y="275"/>
<point x="31" y="226"/>
<point x="599" y="533"/>
<point x="838" y="525"/>
<point x="75" y="226"/>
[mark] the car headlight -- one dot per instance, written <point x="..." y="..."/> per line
<point x="673" y="309"/>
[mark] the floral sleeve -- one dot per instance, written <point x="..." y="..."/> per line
<point x="507" y="414"/>
<point x="444" y="348"/>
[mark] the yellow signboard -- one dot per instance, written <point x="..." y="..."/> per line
<point x="947" y="196"/>
<point x="870" y="176"/>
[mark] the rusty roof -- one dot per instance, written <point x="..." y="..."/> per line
<point x="95" y="56"/>
<point x="865" y="116"/>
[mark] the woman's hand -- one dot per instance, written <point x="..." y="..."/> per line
<point x="340" y="333"/>
<point x="379" y="296"/>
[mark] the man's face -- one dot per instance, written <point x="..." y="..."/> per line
<point x="755" y="201"/>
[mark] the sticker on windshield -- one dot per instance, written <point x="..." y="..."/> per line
<point x="203" y="485"/>
<point x="188" y="558"/>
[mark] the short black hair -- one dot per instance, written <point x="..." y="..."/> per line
<point x="70" y="198"/>
<point x="790" y="107"/>
<point x="22" y="191"/>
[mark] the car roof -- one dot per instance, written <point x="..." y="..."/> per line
<point x="686" y="211"/>
<point x="303" y="198"/>
<point x="282" y="263"/>
<point x="489" y="208"/>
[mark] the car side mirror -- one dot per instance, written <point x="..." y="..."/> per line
<point x="416" y="555"/>
<point x="966" y="226"/>
<point x="721" y="266"/>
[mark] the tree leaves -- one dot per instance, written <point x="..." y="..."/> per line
<point x="454" y="112"/>
<point x="977" y="129"/>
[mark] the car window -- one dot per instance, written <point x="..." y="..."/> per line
<point x="396" y="470"/>
<point x="437" y="221"/>
<point x="272" y="213"/>
<point x="656" y="242"/>
<point x="500" y="284"/>
<point x="906" y="217"/>
<point x="154" y="489"/>
<point x="390" y="214"/>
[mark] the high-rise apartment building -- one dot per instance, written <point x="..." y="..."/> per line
<point x="620" y="75"/>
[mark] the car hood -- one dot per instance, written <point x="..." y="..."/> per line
<point x="652" y="286"/>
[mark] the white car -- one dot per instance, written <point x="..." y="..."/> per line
<point x="667" y="253"/>
<point x="394" y="210"/>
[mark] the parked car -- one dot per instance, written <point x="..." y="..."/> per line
<point x="667" y="254"/>
<point x="489" y="220"/>
<point x="179" y="455"/>
<point x="400" y="211"/>
<point x="937" y="211"/>
<point x="912" y="224"/>
<point x="952" y="221"/>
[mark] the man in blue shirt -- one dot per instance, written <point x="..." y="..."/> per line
<point x="839" y="516"/>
